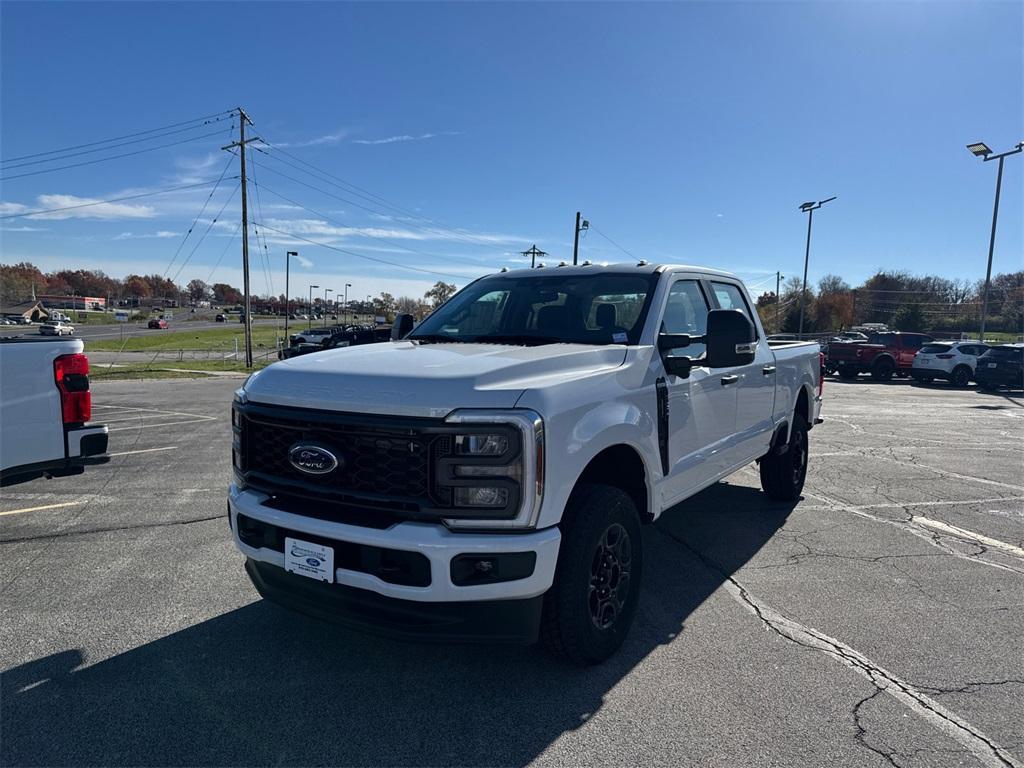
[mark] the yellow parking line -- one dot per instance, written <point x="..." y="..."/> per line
<point x="37" y="509"/>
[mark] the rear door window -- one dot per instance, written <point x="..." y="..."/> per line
<point x="729" y="296"/>
<point x="934" y="349"/>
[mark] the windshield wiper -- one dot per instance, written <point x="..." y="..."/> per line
<point x="525" y="339"/>
<point x="435" y="338"/>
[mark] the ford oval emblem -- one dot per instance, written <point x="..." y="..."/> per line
<point x="313" y="459"/>
<point x="313" y="561"/>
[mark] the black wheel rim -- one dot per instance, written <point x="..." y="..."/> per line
<point x="798" y="452"/>
<point x="610" y="572"/>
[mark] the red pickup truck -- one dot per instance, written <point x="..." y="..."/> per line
<point x="883" y="355"/>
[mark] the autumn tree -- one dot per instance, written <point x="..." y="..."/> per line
<point x="440" y="293"/>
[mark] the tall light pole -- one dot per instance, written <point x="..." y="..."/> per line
<point x="347" y="286"/>
<point x="310" y="315"/>
<point x="979" y="149"/>
<point x="326" y="291"/>
<point x="778" y="301"/>
<point x="287" y="293"/>
<point x="809" y="209"/>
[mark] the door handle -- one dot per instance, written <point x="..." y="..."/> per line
<point x="768" y="370"/>
<point x="731" y="379"/>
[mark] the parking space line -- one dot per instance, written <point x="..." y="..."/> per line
<point x="947" y="473"/>
<point x="968" y="535"/>
<point x="166" y="424"/>
<point x="145" y="450"/>
<point x="152" y="410"/>
<point x="901" y="505"/>
<point x="39" y="509"/>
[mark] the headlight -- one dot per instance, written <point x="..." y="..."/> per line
<point x="495" y="469"/>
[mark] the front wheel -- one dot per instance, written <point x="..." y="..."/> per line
<point x="783" y="476"/>
<point x="590" y="606"/>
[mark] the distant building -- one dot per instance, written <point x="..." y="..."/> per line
<point x="33" y="311"/>
<point x="85" y="303"/>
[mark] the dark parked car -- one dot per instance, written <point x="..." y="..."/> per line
<point x="1001" y="367"/>
<point x="221" y="318"/>
<point x="157" y="322"/>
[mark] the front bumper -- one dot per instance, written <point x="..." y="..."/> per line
<point x="435" y="542"/>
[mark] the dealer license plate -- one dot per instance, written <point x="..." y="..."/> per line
<point x="315" y="561"/>
<point x="993" y="365"/>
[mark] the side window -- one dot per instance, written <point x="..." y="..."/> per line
<point x="686" y="312"/>
<point x="913" y="342"/>
<point x="730" y="296"/>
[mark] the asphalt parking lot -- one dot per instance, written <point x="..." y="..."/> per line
<point x="876" y="622"/>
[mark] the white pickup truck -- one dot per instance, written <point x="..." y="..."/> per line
<point x="486" y="476"/>
<point x="45" y="407"/>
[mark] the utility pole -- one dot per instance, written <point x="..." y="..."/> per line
<point x="310" y="325"/>
<point x="242" y="141"/>
<point x="778" y="301"/>
<point x="326" y="291"/>
<point x="347" y="286"/>
<point x="580" y="227"/>
<point x="979" y="149"/>
<point x="287" y="296"/>
<point x="533" y="252"/>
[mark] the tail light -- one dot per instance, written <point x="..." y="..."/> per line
<point x="945" y="357"/>
<point x="821" y="378"/>
<point x="71" y="374"/>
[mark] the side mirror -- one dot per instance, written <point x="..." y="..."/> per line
<point x="730" y="339"/>
<point x="402" y="327"/>
<point x="678" y="366"/>
<point x="681" y="365"/>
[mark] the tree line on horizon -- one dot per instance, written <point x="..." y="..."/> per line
<point x="898" y="299"/>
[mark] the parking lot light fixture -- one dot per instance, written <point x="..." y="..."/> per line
<point x="287" y="296"/>
<point x="326" y="291"/>
<point x="309" y="323"/>
<point x="980" y="149"/>
<point x="809" y="209"/>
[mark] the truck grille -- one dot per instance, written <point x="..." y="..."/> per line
<point x="380" y="459"/>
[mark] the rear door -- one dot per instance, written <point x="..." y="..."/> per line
<point x="755" y="383"/>
<point x="909" y="346"/>
<point x="701" y="409"/>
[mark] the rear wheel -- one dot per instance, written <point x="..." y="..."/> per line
<point x="783" y="476"/>
<point x="883" y="370"/>
<point x="590" y="606"/>
<point x="961" y="376"/>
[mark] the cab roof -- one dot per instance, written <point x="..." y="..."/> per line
<point x="640" y="268"/>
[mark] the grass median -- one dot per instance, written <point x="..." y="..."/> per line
<point x="213" y="340"/>
<point x="170" y="369"/>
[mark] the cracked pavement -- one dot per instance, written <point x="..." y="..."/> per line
<point x="876" y="622"/>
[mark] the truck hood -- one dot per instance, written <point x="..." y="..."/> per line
<point x="411" y="379"/>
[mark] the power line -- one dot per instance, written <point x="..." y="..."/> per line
<point x="373" y="237"/>
<point x="361" y="255"/>
<point x="112" y="146"/>
<point x="208" y="228"/>
<point x="164" y="191"/>
<point x="112" y="157"/>
<point x="265" y="256"/>
<point x="196" y="220"/>
<point x="372" y="198"/>
<point x="118" y="138"/>
<point x="602" y="234"/>
<point x="224" y="252"/>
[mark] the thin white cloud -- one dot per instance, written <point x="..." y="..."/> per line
<point x="304" y="261"/>
<point x="161" y="234"/>
<point x="331" y="138"/>
<point x="22" y="229"/>
<point x="96" y="208"/>
<point x="404" y="137"/>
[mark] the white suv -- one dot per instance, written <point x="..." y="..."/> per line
<point x="951" y="360"/>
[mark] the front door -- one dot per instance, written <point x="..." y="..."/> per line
<point x="702" y="407"/>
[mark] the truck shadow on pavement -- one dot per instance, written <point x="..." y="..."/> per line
<point x="261" y="685"/>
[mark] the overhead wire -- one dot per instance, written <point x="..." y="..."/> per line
<point x="112" y="157"/>
<point x="164" y="191"/>
<point x="602" y="234"/>
<point x="112" y="146"/>
<point x="224" y="252"/>
<point x="360" y="255"/>
<point x="265" y="255"/>
<point x="196" y="220"/>
<point x="205" y="233"/>
<point x="118" y="138"/>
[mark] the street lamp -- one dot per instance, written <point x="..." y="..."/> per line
<point x="326" y="291"/>
<point x="809" y="209"/>
<point x="310" y="315"/>
<point x="287" y="263"/>
<point x="980" y="149"/>
<point x="347" y="286"/>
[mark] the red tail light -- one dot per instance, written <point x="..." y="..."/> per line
<point x="821" y="377"/>
<point x="71" y="373"/>
<point x="945" y="357"/>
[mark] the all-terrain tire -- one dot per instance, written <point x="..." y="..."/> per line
<point x="783" y="476"/>
<point x="883" y="370"/>
<point x="961" y="376"/>
<point x="590" y="606"/>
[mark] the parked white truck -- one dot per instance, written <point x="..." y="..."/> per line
<point x="487" y="475"/>
<point x="45" y="407"/>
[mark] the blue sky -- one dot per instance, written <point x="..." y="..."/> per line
<point x="685" y="132"/>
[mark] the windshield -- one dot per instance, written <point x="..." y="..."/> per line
<point x="544" y="309"/>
